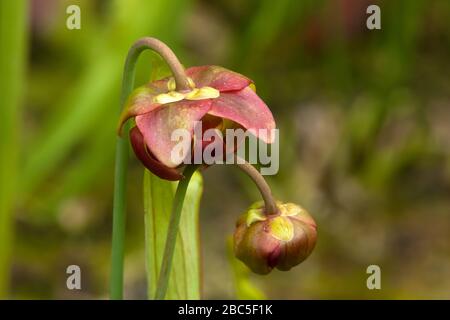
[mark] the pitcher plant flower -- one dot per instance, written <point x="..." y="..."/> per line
<point x="214" y="95"/>
<point x="271" y="234"/>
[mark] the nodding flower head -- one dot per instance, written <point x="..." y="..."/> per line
<point x="217" y="98"/>
<point x="281" y="240"/>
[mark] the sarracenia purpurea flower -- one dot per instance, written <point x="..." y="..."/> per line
<point x="271" y="234"/>
<point x="214" y="96"/>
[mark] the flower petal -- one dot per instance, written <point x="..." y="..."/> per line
<point x="247" y="109"/>
<point x="157" y="127"/>
<point x="156" y="167"/>
<point x="217" y="77"/>
<point x="141" y="101"/>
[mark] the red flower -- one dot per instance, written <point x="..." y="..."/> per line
<point x="216" y="94"/>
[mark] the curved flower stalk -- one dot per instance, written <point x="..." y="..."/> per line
<point x="270" y="235"/>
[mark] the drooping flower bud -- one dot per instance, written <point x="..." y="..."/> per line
<point x="281" y="240"/>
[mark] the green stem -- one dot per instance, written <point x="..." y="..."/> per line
<point x="118" y="233"/>
<point x="270" y="205"/>
<point x="13" y="37"/>
<point x="172" y="232"/>
<point x="122" y="147"/>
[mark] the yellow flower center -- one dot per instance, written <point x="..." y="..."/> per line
<point x="171" y="96"/>
<point x="194" y="94"/>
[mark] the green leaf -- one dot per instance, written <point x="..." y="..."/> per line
<point x="185" y="275"/>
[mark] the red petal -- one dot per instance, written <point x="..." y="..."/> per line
<point x="156" y="167"/>
<point x="217" y="77"/>
<point x="247" y="109"/>
<point x="157" y="126"/>
<point x="141" y="101"/>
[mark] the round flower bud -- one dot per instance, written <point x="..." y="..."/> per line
<point x="281" y="240"/>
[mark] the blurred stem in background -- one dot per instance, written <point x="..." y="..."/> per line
<point x="13" y="30"/>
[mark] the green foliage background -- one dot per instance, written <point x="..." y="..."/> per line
<point x="364" y="125"/>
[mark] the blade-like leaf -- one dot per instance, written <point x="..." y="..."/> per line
<point x="185" y="275"/>
<point x="13" y="35"/>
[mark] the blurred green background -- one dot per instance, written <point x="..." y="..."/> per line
<point x="364" y="120"/>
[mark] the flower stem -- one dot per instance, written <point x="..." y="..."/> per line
<point x="172" y="232"/>
<point x="118" y="233"/>
<point x="264" y="189"/>
<point x="167" y="54"/>
<point x="122" y="147"/>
